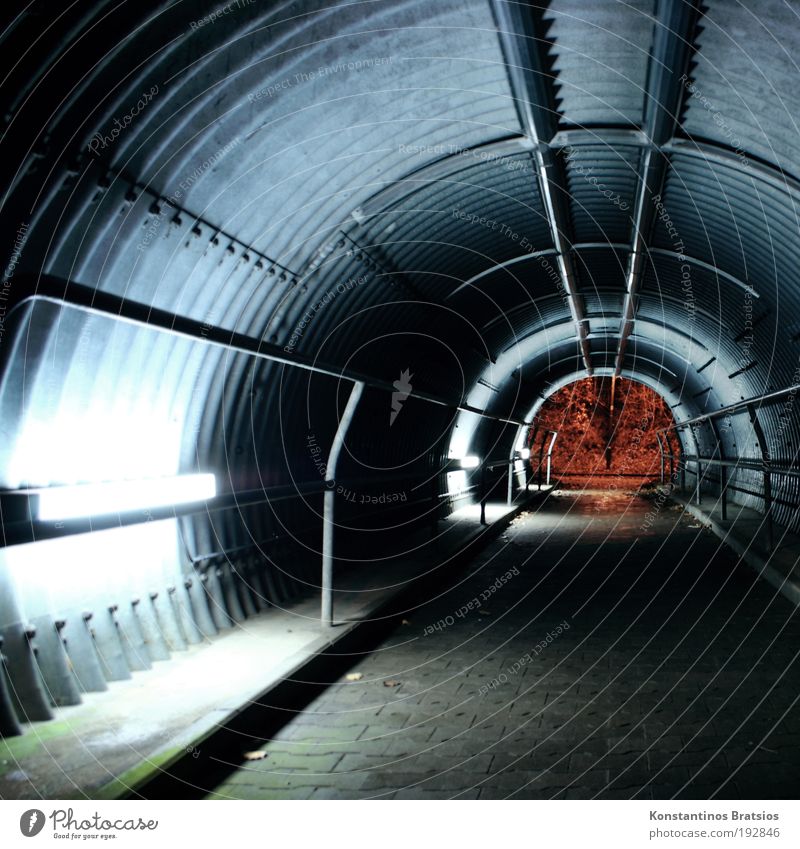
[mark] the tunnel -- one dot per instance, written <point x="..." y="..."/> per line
<point x="396" y="400"/>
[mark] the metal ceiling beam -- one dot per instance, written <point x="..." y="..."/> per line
<point x="663" y="327"/>
<point x="659" y="369"/>
<point x="385" y="266"/>
<point x="451" y="161"/>
<point x="532" y="89"/>
<point x="669" y="59"/>
<point x="608" y="246"/>
<point x="523" y="258"/>
<point x="729" y="158"/>
<point x="456" y="160"/>
<point x="694" y="148"/>
<point x="611" y="137"/>
<point x="706" y="266"/>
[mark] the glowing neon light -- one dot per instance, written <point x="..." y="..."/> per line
<point x="99" y="499"/>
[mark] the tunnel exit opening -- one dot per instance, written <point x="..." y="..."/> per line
<point x="606" y="434"/>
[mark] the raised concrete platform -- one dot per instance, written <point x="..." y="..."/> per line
<point x="677" y="677"/>
<point x="745" y="531"/>
<point x="118" y="740"/>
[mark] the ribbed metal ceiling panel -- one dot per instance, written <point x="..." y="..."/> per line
<point x="502" y="333"/>
<point x="603" y="305"/>
<point x="446" y="232"/>
<point x="374" y="67"/>
<point x="749" y="229"/>
<point x="742" y="90"/>
<point x="497" y="296"/>
<point x="600" y="58"/>
<point x="602" y="186"/>
<point x="731" y="220"/>
<point x="601" y="269"/>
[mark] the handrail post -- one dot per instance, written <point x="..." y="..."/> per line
<point x="329" y="504"/>
<point x="723" y="473"/>
<point x="671" y="459"/>
<point x="541" y="459"/>
<point x="661" y="455"/>
<point x="434" y="505"/>
<point x="550" y="454"/>
<point x="723" y="490"/>
<point x="528" y="472"/>
<point x="768" y="506"/>
<point x="483" y="493"/>
<point x="719" y="454"/>
<point x="698" y="496"/>
<point x="765" y="461"/>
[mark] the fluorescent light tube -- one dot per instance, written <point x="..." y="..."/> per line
<point x="99" y="499"/>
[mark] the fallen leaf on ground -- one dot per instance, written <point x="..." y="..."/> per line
<point x="255" y="756"/>
<point x="391" y="683"/>
<point x="354" y="676"/>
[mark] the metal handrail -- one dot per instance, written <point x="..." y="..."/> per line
<point x="511" y="462"/>
<point x="766" y="466"/>
<point x="256" y="545"/>
<point x="746" y="463"/>
<point x="738" y="406"/>
<point x="63" y="293"/>
<point x="606" y="475"/>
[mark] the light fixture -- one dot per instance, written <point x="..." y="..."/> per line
<point x="470" y="462"/>
<point x="99" y="499"/>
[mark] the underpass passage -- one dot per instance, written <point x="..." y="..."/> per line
<point x="286" y="292"/>
<point x="604" y="647"/>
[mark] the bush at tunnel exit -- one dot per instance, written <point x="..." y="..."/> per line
<point x="606" y="428"/>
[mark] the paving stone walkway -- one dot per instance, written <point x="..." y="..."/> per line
<point x="630" y="657"/>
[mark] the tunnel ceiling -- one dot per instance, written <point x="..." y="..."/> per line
<point x="496" y="197"/>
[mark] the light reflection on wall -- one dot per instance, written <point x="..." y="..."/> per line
<point x="69" y="576"/>
<point x="90" y="399"/>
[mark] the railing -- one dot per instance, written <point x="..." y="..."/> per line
<point x="590" y="474"/>
<point x="766" y="466"/>
<point x="511" y="464"/>
<point x="52" y="650"/>
<point x="63" y="294"/>
<point x="553" y="434"/>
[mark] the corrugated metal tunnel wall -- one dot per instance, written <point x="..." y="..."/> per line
<point x="472" y="193"/>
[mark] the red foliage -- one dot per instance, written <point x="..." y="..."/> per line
<point x="600" y="437"/>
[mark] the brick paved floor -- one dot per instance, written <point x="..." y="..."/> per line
<point x="677" y="676"/>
